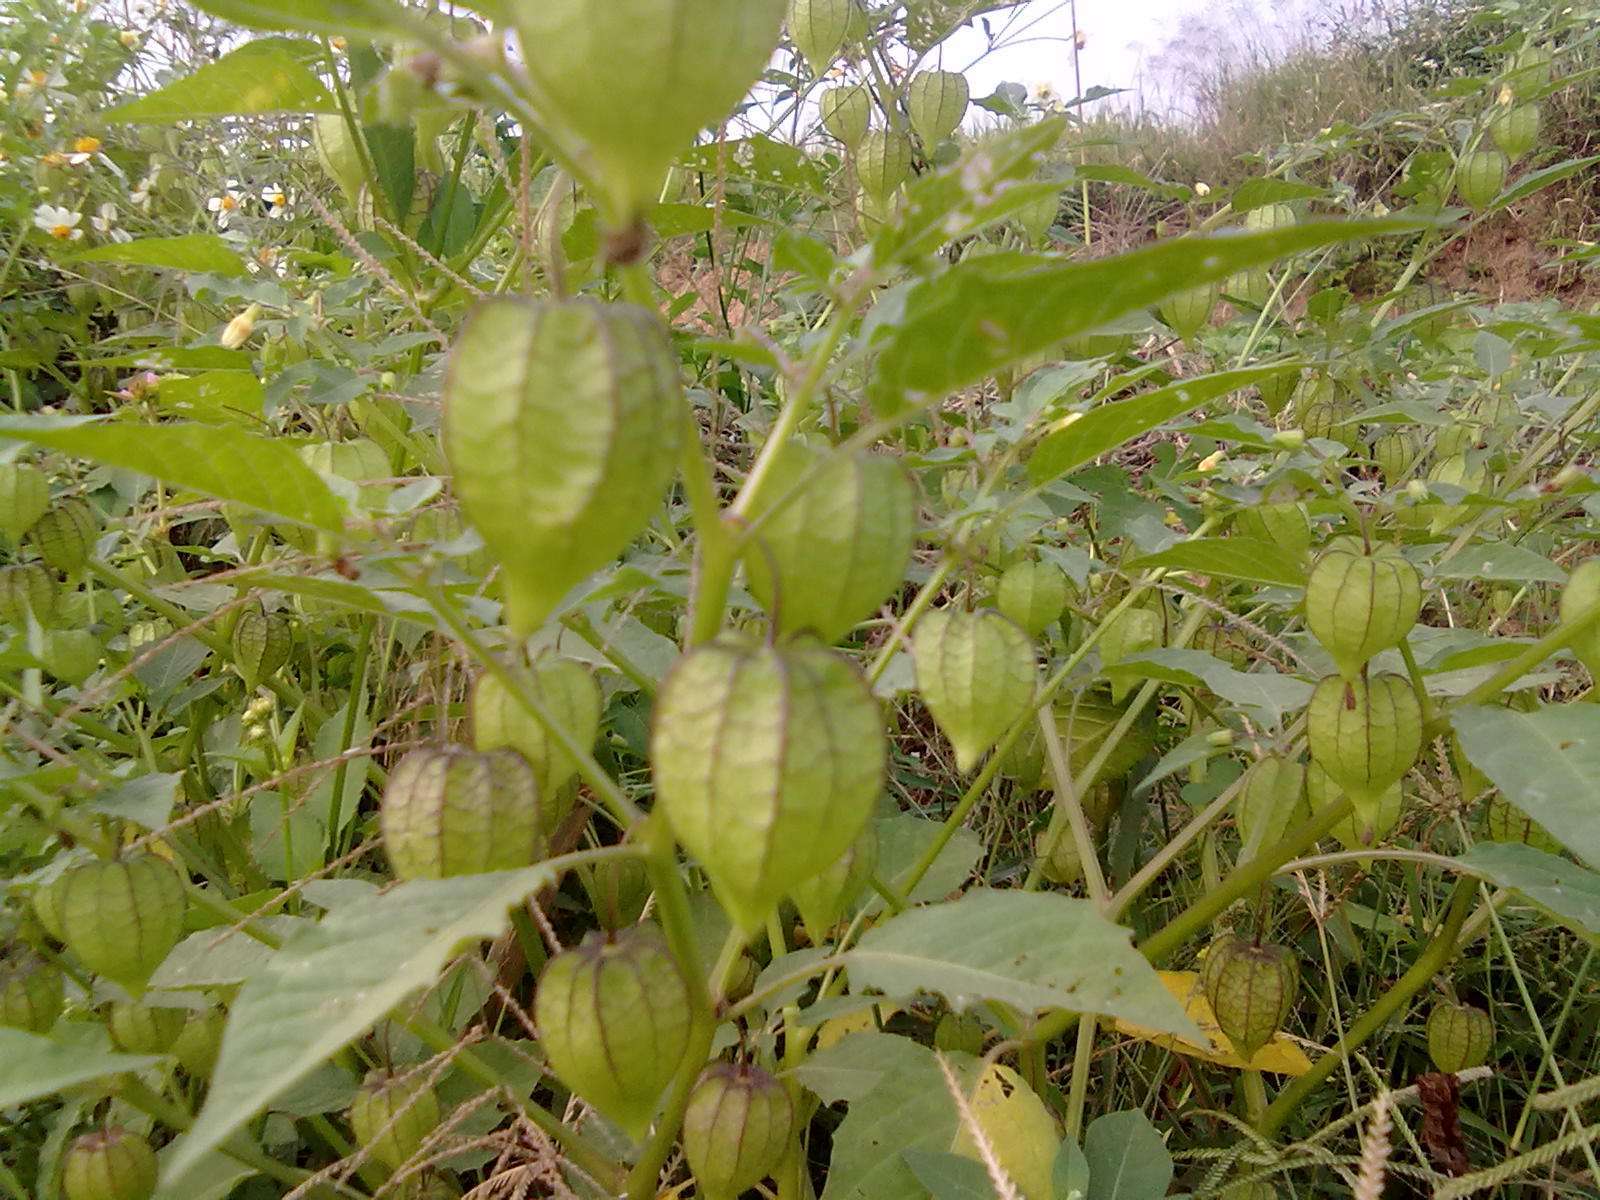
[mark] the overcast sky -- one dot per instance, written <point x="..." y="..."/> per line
<point x="1124" y="40"/>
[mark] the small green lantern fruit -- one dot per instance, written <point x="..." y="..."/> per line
<point x="959" y="1033"/>
<point x="1277" y="390"/>
<point x="1529" y="70"/>
<point x="821" y="29"/>
<point x="1479" y="178"/>
<point x="768" y="761"/>
<point x="64" y="536"/>
<point x="1366" y="734"/>
<point x="977" y="672"/>
<point x="27" y="589"/>
<point x="200" y="1041"/>
<point x="1130" y="632"/>
<point x="736" y="1129"/>
<point x="688" y="62"/>
<point x="1272" y="800"/>
<point x="1359" y="604"/>
<point x="846" y="112"/>
<point x="1460" y="1036"/>
<point x="937" y="103"/>
<point x="338" y="154"/>
<point x="261" y="644"/>
<point x="452" y="811"/>
<point x="825" y="898"/>
<point x="1515" y="130"/>
<point x="1033" y="594"/>
<point x="30" y="993"/>
<point x="613" y="1015"/>
<point x="571" y="696"/>
<point x="1251" y="987"/>
<point x="24" y="497"/>
<point x="143" y="1028"/>
<point x="563" y="419"/>
<point x="112" y="1164"/>
<point x="835" y="551"/>
<point x="1503" y="821"/>
<point x="1284" y="523"/>
<point x="1188" y="312"/>
<point x="392" y="1116"/>
<point x="1394" y="453"/>
<point x="1269" y="217"/>
<point x="1060" y="861"/>
<point x="122" y="917"/>
<point x="883" y="163"/>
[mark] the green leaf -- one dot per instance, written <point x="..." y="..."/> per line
<point x="393" y="149"/>
<point x="1546" y="762"/>
<point x="1571" y="893"/>
<point x="215" y="460"/>
<point x="331" y="983"/>
<point x="1128" y="177"/>
<point x="902" y="839"/>
<point x="372" y="18"/>
<point x="1258" y="193"/>
<point x="989" y="312"/>
<point x="213" y="396"/>
<point x="899" y="1102"/>
<point x="1070" y="1178"/>
<point x="145" y="801"/>
<point x="1269" y="694"/>
<point x="1229" y="558"/>
<point x="32" y="1067"/>
<point x="1103" y="429"/>
<point x="1127" y="1158"/>
<point x="1538" y="180"/>
<point x="213" y="1179"/>
<point x="190" y="252"/>
<point x="1030" y="950"/>
<point x="948" y="1176"/>
<point x="271" y="75"/>
<point x="1502" y="562"/>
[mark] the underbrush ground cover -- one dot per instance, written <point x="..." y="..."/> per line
<point x="633" y="598"/>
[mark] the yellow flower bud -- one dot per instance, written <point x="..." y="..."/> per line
<point x="240" y="328"/>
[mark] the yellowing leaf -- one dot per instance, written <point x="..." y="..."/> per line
<point x="862" y="1021"/>
<point x="1019" y="1129"/>
<point x="1279" y="1056"/>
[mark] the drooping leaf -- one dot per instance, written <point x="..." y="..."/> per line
<point x="1229" y="558"/>
<point x="1083" y="439"/>
<point x="1268" y="693"/>
<point x="215" y="460"/>
<point x="204" y="252"/>
<point x="331" y="983"/>
<point x="948" y="1176"/>
<point x="372" y="18"/>
<point x="1260" y="192"/>
<point x="990" y="312"/>
<point x="1033" y="951"/>
<point x="1570" y="892"/>
<point x="1127" y="1158"/>
<point x="32" y="1066"/>
<point x="269" y="75"/>
<point x="1535" y="181"/>
<point x="1546" y="762"/>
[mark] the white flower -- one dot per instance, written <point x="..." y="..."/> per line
<point x="225" y="205"/>
<point x="36" y="80"/>
<point x="277" y="201"/>
<point x="142" y="193"/>
<point x="105" y="224"/>
<point x="59" y="223"/>
<point x="268" y="259"/>
<point x="1044" y="95"/>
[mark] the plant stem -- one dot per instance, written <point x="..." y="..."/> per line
<point x="1078" y="1089"/>
<point x="1440" y="949"/>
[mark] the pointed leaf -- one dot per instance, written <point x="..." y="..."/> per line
<point x="1031" y="950"/>
<point x="191" y="252"/>
<point x="1127" y="1158"/>
<point x="1229" y="558"/>
<point x="215" y="460"/>
<point x="990" y="312"/>
<point x="1571" y="893"/>
<point x="1101" y="430"/>
<point x="271" y="75"/>
<point x="32" y="1066"/>
<point x="330" y="984"/>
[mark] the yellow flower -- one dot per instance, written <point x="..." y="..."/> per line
<point x="128" y="38"/>
<point x="240" y="328"/>
<point x="338" y="43"/>
<point x="86" y="145"/>
<point x="55" y="158"/>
